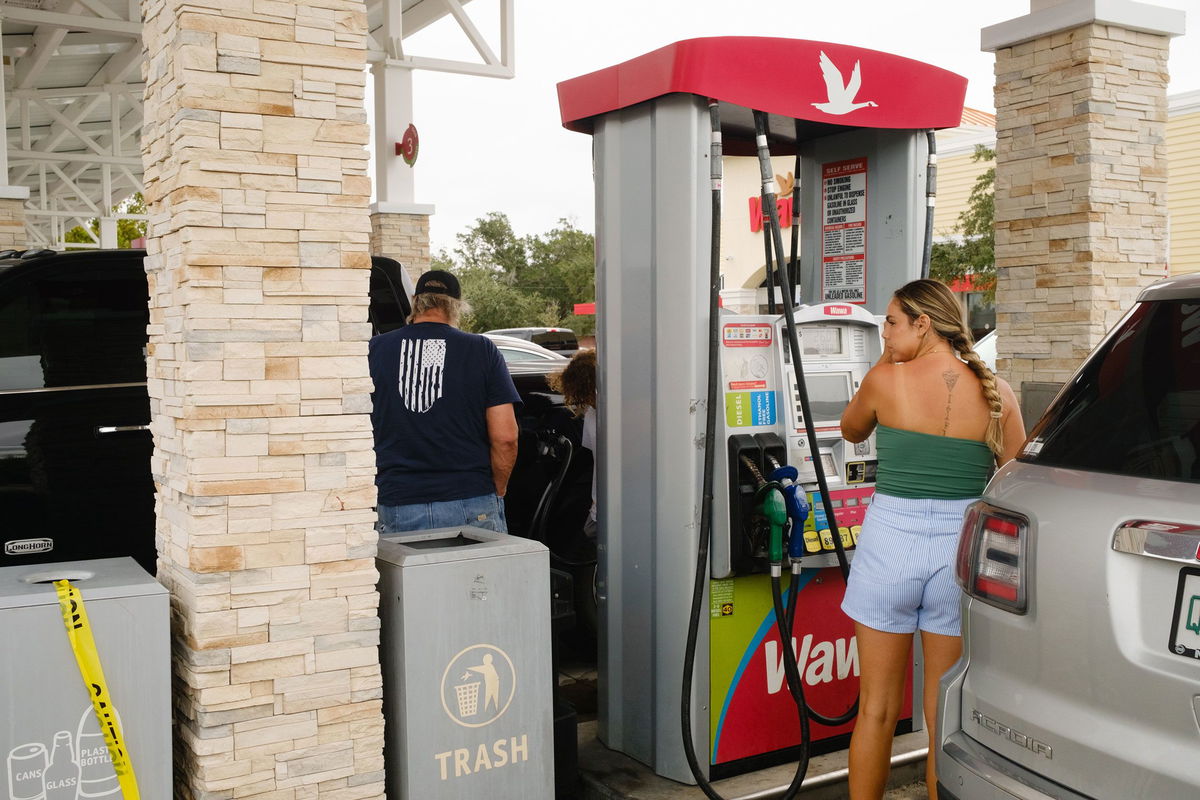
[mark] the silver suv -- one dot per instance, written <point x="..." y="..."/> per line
<point x="1080" y="675"/>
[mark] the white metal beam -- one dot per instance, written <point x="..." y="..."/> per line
<point x="101" y="131"/>
<point x="99" y="9"/>
<point x="18" y="43"/>
<point x="73" y="127"/>
<point x="114" y="71"/>
<point x="420" y="16"/>
<point x="385" y="43"/>
<point x="473" y="34"/>
<point x="82" y="218"/>
<point x="393" y="28"/>
<point x="43" y="157"/>
<point x="45" y="42"/>
<point x="393" y="114"/>
<point x="457" y="67"/>
<point x="82" y="195"/>
<point x="508" y="35"/>
<point x="89" y="195"/>
<point x="78" y="91"/>
<point x="73" y="22"/>
<point x="79" y="165"/>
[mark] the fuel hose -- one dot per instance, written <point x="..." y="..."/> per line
<point x="930" y="200"/>
<point x="768" y="200"/>
<point x="706" y="501"/>
<point x="764" y="161"/>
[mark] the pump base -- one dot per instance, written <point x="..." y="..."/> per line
<point x="611" y="775"/>
<point x="833" y="744"/>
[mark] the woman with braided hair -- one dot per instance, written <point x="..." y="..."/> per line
<point x="943" y="423"/>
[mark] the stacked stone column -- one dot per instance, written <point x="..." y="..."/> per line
<point x="404" y="237"/>
<point x="12" y="217"/>
<point x="1081" y="178"/>
<point x="257" y="187"/>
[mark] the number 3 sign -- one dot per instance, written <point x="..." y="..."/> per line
<point x="407" y="147"/>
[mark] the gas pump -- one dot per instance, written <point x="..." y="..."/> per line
<point x="764" y="423"/>
<point x="857" y="119"/>
<point x="763" y="420"/>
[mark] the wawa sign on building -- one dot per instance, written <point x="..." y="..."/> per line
<point x="783" y="205"/>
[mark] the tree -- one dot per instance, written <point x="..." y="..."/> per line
<point x="127" y="229"/>
<point x="495" y="304"/>
<point x="491" y="245"/>
<point x="516" y="282"/>
<point x="562" y="267"/>
<point x="975" y="253"/>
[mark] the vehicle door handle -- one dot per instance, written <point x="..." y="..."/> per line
<point x="110" y="429"/>
<point x="1170" y="541"/>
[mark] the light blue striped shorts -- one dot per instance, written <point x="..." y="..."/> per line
<point x="902" y="575"/>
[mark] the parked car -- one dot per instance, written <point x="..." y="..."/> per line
<point x="519" y="351"/>
<point x="561" y="340"/>
<point x="75" y="444"/>
<point x="1080" y="673"/>
<point x="986" y="349"/>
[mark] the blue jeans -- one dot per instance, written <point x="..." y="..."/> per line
<point x="485" y="511"/>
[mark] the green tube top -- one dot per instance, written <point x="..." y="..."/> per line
<point x="922" y="465"/>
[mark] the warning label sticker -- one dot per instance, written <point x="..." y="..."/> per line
<point x="720" y="598"/>
<point x="844" y="231"/>
<point x="746" y="334"/>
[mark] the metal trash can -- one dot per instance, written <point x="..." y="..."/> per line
<point x="50" y="738"/>
<point x="465" y="650"/>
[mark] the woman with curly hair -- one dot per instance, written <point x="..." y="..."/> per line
<point x="577" y="384"/>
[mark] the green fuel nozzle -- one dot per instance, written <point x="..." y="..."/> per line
<point x="773" y="508"/>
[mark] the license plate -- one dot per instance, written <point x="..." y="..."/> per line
<point x="1185" y="627"/>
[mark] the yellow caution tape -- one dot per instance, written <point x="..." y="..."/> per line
<point x="79" y="633"/>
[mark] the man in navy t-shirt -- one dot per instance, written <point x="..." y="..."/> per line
<point x="445" y="428"/>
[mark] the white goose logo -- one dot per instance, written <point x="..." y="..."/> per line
<point x="840" y="95"/>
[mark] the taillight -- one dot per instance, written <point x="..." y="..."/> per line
<point x="991" y="561"/>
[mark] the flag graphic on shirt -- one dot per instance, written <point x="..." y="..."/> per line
<point x="421" y="365"/>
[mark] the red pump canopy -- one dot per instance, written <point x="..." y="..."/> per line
<point x="830" y="85"/>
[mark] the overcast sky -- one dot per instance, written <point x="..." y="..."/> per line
<point x="499" y="145"/>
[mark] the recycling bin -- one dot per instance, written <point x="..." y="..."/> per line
<point x="465" y="651"/>
<point x="50" y="736"/>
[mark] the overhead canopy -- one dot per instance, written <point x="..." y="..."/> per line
<point x="72" y="99"/>
<point x="73" y="108"/>
<point x="831" y="87"/>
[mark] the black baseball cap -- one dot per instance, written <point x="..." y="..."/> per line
<point x="438" y="281"/>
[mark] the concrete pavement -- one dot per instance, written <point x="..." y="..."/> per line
<point x="608" y="775"/>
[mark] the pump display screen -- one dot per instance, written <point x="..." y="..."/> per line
<point x="828" y="395"/>
<point x="822" y="341"/>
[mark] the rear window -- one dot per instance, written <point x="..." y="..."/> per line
<point x="556" y="340"/>
<point x="74" y="323"/>
<point x="389" y="308"/>
<point x="1134" y="409"/>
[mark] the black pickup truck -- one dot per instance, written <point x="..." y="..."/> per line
<point x="75" y="443"/>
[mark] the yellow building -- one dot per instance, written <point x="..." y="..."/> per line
<point x="957" y="168"/>
<point x="1183" y="181"/>
<point x="957" y="173"/>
